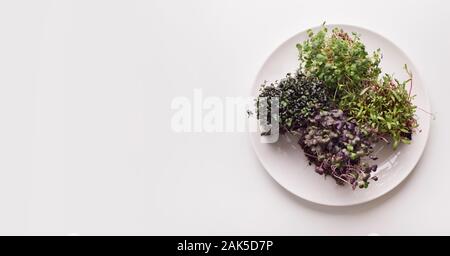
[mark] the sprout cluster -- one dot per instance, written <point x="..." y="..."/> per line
<point x="340" y="106"/>
<point x="299" y="98"/>
<point x="386" y="107"/>
<point x="342" y="62"/>
<point x="338" y="59"/>
<point x="336" y="146"/>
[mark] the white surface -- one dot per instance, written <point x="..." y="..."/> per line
<point x="85" y="139"/>
<point x="285" y="160"/>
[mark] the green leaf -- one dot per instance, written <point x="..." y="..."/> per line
<point x="395" y="144"/>
<point x="364" y="91"/>
<point x="406" y="141"/>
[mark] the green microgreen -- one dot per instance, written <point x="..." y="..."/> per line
<point x="343" y="64"/>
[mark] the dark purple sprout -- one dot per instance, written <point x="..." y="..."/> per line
<point x="337" y="147"/>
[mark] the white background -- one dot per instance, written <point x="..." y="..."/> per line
<point x="85" y="140"/>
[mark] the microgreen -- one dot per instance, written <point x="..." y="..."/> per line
<point x="299" y="98"/>
<point x="385" y="106"/>
<point x="340" y="60"/>
<point x="343" y="64"/>
<point x="337" y="146"/>
<point x="341" y="105"/>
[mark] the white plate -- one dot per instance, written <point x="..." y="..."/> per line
<point x="285" y="161"/>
